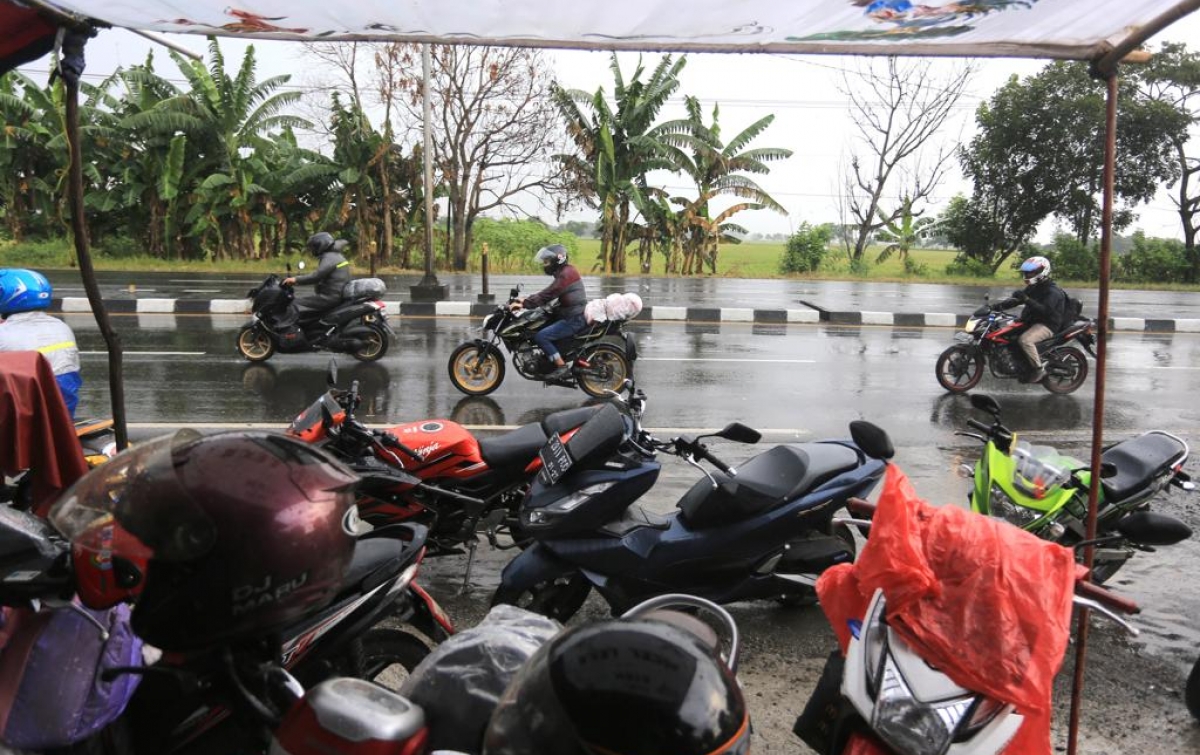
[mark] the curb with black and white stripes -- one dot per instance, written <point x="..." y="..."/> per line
<point x="810" y="314"/>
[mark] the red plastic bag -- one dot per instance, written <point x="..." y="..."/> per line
<point x="985" y="602"/>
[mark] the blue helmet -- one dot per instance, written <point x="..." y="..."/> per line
<point x="22" y="291"/>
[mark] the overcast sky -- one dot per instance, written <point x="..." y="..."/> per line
<point x="812" y="116"/>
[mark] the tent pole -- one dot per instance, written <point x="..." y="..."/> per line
<point x="79" y="228"/>
<point x="1110" y="161"/>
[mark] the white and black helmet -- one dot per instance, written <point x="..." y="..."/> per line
<point x="1035" y="270"/>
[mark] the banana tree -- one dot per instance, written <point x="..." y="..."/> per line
<point x="902" y="235"/>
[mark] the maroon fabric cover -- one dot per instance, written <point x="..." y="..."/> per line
<point x="27" y="36"/>
<point x="36" y="433"/>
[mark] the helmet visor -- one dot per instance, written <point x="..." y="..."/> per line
<point x="139" y="491"/>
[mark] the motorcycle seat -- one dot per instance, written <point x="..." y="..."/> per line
<point x="515" y="448"/>
<point x="635" y="517"/>
<point x="568" y="419"/>
<point x="1138" y="461"/>
<point x="766" y="481"/>
<point x="374" y="560"/>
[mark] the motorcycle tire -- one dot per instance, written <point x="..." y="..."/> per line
<point x="1191" y="694"/>
<point x="959" y="369"/>
<point x="559" y="599"/>
<point x="1066" y="369"/>
<point x="608" y="371"/>
<point x="255" y="344"/>
<point x="387" y="657"/>
<point x="375" y="345"/>
<point x="475" y="374"/>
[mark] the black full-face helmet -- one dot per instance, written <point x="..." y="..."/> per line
<point x="319" y="243"/>
<point x="551" y="258"/>
<point x="627" y="687"/>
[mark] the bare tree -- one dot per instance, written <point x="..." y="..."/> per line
<point x="495" y="130"/>
<point x="896" y="114"/>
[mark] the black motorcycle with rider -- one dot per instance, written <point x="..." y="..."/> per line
<point x="1039" y="345"/>
<point x="551" y="337"/>
<point x="341" y="315"/>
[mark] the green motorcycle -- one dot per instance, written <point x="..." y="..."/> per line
<point x="1045" y="492"/>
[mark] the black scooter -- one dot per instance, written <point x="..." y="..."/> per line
<point x="763" y="530"/>
<point x="358" y="326"/>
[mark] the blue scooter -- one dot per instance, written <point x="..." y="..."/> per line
<point x="765" y="529"/>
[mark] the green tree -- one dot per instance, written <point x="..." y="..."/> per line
<point x="32" y="163"/>
<point x="806" y="249"/>
<point x="1172" y="78"/>
<point x="235" y="117"/>
<point x="1039" y="153"/>
<point x="901" y="234"/>
<point x="719" y="169"/>
<point x="616" y="148"/>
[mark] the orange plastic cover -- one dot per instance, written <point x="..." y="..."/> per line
<point x="986" y="602"/>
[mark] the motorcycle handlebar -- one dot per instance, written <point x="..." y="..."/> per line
<point x="393" y="442"/>
<point x="979" y="426"/>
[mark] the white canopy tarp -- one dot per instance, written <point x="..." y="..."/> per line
<point x="1079" y="29"/>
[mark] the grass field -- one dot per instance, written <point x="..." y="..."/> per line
<point x="747" y="260"/>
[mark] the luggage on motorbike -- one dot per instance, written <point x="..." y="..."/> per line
<point x="613" y="308"/>
<point x="292" y="338"/>
<point x="52" y="693"/>
<point x="364" y="287"/>
<point x="460" y="682"/>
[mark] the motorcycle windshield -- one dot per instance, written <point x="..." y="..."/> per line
<point x="1039" y="471"/>
<point x="310" y="424"/>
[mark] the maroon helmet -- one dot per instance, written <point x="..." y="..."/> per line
<point x="233" y="535"/>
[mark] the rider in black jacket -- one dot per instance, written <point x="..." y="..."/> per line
<point x="1044" y="312"/>
<point x="331" y="276"/>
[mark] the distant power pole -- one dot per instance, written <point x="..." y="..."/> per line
<point x="428" y="289"/>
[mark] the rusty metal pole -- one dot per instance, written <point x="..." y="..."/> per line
<point x="1110" y="162"/>
<point x="79" y="228"/>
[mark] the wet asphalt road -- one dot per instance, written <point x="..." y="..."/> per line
<point x="794" y="383"/>
<point x="840" y="296"/>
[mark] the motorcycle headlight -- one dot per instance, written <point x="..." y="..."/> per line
<point x="971" y="324"/>
<point x="1003" y="507"/>
<point x="911" y="726"/>
<point x="547" y="514"/>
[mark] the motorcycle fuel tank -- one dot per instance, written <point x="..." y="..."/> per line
<point x="443" y="444"/>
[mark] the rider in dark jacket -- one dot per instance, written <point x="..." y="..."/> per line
<point x="1044" y="312"/>
<point x="568" y="289"/>
<point x="331" y="276"/>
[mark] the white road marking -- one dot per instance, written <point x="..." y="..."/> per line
<point x="149" y="353"/>
<point x="740" y="361"/>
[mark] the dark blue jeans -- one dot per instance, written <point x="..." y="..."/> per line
<point x="558" y="331"/>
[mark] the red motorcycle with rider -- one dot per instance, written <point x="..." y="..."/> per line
<point x="1040" y="345"/>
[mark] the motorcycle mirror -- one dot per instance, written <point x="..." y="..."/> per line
<point x="1152" y="528"/>
<point x="985" y="403"/>
<point x="514" y="291"/>
<point x="740" y="433"/>
<point x="331" y="374"/>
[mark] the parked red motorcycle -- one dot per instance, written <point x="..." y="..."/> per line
<point x="435" y="471"/>
<point x="990" y="337"/>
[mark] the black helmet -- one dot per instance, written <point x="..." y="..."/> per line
<point x="319" y="243"/>
<point x="551" y="258"/>
<point x="623" y="687"/>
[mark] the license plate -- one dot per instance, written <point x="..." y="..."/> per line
<point x="556" y="461"/>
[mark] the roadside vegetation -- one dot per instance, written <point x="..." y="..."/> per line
<point x="207" y="167"/>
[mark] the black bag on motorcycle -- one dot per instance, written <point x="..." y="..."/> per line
<point x="292" y="338"/>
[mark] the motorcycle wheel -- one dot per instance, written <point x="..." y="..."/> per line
<point x="1066" y="369"/>
<point x="374" y="347"/>
<point x="958" y="369"/>
<point x="608" y="371"/>
<point x="254" y="344"/>
<point x="807" y="596"/>
<point x="1192" y="692"/>
<point x="475" y="374"/>
<point x="559" y="599"/>
<point x="386" y="657"/>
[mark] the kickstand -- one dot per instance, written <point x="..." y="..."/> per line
<point x="471" y="546"/>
